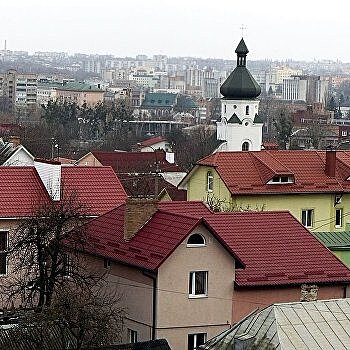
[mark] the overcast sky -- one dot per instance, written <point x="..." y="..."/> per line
<point x="276" y="29"/>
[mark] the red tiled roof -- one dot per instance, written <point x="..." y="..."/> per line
<point x="152" y="141"/>
<point x="21" y="191"/>
<point x="139" y="162"/>
<point x="97" y="187"/>
<point x="274" y="247"/>
<point x="249" y="172"/>
<point x="153" y="243"/>
<point x="277" y="250"/>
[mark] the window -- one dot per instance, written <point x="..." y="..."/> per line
<point x="338" y="217"/>
<point x="245" y="146"/>
<point x="344" y="133"/>
<point x="3" y="252"/>
<point x="224" y="108"/>
<point x="282" y="179"/>
<point x="195" y="340"/>
<point x="196" y="240"/>
<point x="307" y="217"/>
<point x="246" y="110"/>
<point x="198" y="284"/>
<point x="210" y="181"/>
<point x="132" y="336"/>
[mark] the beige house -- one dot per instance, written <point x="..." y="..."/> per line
<point x="186" y="273"/>
<point x="79" y="93"/>
<point x="164" y="269"/>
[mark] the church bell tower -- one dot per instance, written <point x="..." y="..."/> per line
<point x="240" y="126"/>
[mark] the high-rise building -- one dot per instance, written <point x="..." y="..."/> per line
<point x="307" y="88"/>
<point x="19" y="88"/>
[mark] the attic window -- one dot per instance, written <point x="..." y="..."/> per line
<point x="196" y="240"/>
<point x="282" y="179"/>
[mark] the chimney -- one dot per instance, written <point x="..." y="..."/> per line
<point x="137" y="212"/>
<point x="309" y="292"/>
<point x="331" y="159"/>
<point x="15" y="140"/>
<point x="50" y="175"/>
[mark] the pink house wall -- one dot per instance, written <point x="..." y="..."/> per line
<point x="247" y="300"/>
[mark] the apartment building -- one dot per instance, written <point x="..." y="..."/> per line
<point x="305" y="88"/>
<point x="20" y="88"/>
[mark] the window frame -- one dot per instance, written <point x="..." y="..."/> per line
<point x="210" y="181"/>
<point x="244" y="146"/>
<point x="195" y="340"/>
<point x="312" y="212"/>
<point x="192" y="285"/>
<point x="132" y="335"/>
<point x="5" y="251"/>
<point x="196" y="245"/>
<point x="338" y="225"/>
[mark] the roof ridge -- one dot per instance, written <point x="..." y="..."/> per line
<point x="274" y="159"/>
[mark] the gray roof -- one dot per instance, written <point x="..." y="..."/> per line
<point x="6" y="150"/>
<point x="158" y="344"/>
<point x="323" y="325"/>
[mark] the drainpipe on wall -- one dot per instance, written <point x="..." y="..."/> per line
<point x="153" y="277"/>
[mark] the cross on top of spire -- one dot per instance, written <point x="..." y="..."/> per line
<point x="242" y="28"/>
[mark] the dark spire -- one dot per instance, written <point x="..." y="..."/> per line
<point x="240" y="84"/>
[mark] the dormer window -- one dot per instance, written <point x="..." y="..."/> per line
<point x="196" y="240"/>
<point x="281" y="179"/>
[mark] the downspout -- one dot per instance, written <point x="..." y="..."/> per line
<point x="153" y="277"/>
<point x="154" y="307"/>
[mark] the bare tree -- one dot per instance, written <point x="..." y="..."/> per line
<point x="44" y="250"/>
<point x="77" y="318"/>
<point x="283" y="125"/>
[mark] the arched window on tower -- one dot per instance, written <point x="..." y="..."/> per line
<point x="246" y="110"/>
<point x="245" y="146"/>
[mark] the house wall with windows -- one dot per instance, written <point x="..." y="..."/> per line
<point x="325" y="213"/>
<point x="181" y="315"/>
<point x="247" y="300"/>
<point x="197" y="187"/>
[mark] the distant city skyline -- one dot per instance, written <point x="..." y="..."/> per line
<point x="274" y="30"/>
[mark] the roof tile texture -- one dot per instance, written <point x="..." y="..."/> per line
<point x="275" y="248"/>
<point x="22" y="191"/>
<point x="249" y="172"/>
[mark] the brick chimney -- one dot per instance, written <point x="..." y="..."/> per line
<point x="331" y="159"/>
<point x="15" y="140"/>
<point x="137" y="212"/>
